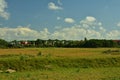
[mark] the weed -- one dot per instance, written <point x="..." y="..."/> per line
<point x="23" y="57"/>
<point x="39" y="53"/>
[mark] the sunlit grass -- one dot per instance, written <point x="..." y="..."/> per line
<point x="62" y="64"/>
<point x="66" y="74"/>
<point x="61" y="52"/>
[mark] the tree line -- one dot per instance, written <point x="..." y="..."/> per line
<point x="92" y="43"/>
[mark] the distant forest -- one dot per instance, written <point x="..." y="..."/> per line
<point x="92" y="43"/>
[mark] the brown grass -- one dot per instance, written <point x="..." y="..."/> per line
<point x="17" y="51"/>
<point x="60" y="52"/>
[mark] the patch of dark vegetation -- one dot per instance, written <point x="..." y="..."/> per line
<point x="113" y="52"/>
<point x="39" y="53"/>
<point x="92" y="43"/>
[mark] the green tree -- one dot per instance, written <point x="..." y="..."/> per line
<point x="3" y="43"/>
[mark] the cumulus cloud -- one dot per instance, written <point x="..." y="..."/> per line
<point x="22" y="33"/>
<point x="69" y="33"/>
<point x="114" y="34"/>
<point x="53" y="6"/>
<point x="69" y="20"/>
<point x="3" y="13"/>
<point x="45" y="34"/>
<point x="26" y="33"/>
<point x="90" y="19"/>
<point x="76" y="32"/>
<point x="90" y="22"/>
<point x="102" y="29"/>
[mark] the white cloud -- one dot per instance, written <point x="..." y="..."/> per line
<point x="102" y="29"/>
<point x="3" y="13"/>
<point x="68" y="33"/>
<point x="114" y="34"/>
<point x="100" y="24"/>
<point x="69" y="20"/>
<point x="88" y="20"/>
<point x="26" y="33"/>
<point x="52" y="6"/>
<point x="118" y="24"/>
<point x="45" y="34"/>
<point x="22" y="33"/>
<point x="76" y="32"/>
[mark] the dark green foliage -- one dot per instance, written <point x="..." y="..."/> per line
<point x="95" y="43"/>
<point x="3" y="43"/>
<point x="92" y="43"/>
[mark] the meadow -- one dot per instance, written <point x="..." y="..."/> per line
<point x="60" y="64"/>
<point x="60" y="52"/>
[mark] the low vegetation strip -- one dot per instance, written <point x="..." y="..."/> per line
<point x="23" y="63"/>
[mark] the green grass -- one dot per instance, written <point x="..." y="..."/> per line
<point x="66" y="74"/>
<point x="60" y="64"/>
<point x="26" y="62"/>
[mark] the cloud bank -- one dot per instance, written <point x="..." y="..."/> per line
<point x="3" y="13"/>
<point x="88" y="27"/>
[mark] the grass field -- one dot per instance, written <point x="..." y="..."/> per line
<point x="60" y="64"/>
<point x="61" y="52"/>
<point x="65" y="74"/>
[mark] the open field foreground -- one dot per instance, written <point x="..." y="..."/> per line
<point x="60" y="64"/>
<point x="65" y="74"/>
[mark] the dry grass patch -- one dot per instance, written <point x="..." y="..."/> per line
<point x="60" y="52"/>
<point x="18" y="51"/>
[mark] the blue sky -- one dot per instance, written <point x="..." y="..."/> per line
<point x="59" y="19"/>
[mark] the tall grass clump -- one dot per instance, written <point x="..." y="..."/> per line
<point x="24" y="57"/>
<point x="39" y="53"/>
